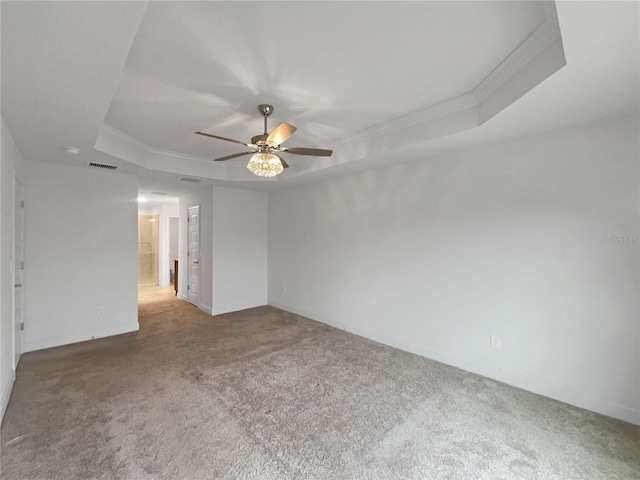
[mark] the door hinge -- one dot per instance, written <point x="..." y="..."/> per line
<point x="22" y="327"/>
<point x="187" y="287"/>
<point x="21" y="203"/>
<point x="22" y="265"/>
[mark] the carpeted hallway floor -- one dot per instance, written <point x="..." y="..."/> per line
<point x="265" y="394"/>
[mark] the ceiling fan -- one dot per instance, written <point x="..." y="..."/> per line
<point x="266" y="162"/>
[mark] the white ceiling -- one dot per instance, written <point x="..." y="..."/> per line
<point x="378" y="82"/>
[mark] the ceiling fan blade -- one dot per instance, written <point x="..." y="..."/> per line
<point x="281" y="133"/>
<point x="284" y="164"/>
<point x="229" y="157"/>
<point x="317" y="152"/>
<point x="223" y="138"/>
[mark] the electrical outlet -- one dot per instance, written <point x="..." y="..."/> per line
<point x="496" y="342"/>
<point x="100" y="310"/>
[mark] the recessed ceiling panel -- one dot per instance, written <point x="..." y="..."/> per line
<point x="330" y="68"/>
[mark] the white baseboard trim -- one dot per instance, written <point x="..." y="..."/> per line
<point x="31" y="346"/>
<point x="7" y="388"/>
<point x="204" y="308"/>
<point x="235" y="308"/>
<point x="556" y="392"/>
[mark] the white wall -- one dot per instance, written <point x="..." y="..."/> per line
<point x="535" y="241"/>
<point x="145" y="209"/>
<point x="240" y="238"/>
<point x="173" y="237"/>
<point x="233" y="247"/>
<point x="10" y="159"/>
<point x="203" y="197"/>
<point x="80" y="254"/>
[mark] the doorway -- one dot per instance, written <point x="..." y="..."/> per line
<point x="148" y="245"/>
<point x="174" y="235"/>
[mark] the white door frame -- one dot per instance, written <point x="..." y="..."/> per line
<point x="17" y="271"/>
<point x="193" y="255"/>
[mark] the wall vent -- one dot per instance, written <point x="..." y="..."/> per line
<point x="188" y="179"/>
<point x="104" y="166"/>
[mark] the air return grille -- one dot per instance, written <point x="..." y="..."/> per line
<point x="103" y="166"/>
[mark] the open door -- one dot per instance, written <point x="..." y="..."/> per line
<point x="193" y="255"/>
<point x="18" y="269"/>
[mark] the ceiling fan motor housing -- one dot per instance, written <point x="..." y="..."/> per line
<point x="258" y="139"/>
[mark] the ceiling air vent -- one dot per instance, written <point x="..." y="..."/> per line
<point x="192" y="180"/>
<point x="104" y="166"/>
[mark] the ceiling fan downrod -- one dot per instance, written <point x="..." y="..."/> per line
<point x="265" y="110"/>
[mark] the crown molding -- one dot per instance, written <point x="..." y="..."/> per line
<point x="535" y="59"/>
<point x="538" y="42"/>
<point x="143" y="150"/>
<point x="429" y="114"/>
<point x="118" y="144"/>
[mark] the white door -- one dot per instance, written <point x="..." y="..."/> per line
<point x="18" y="267"/>
<point x="193" y="259"/>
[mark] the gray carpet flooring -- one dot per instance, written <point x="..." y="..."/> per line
<point x="266" y="394"/>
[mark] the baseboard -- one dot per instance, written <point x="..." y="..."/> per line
<point x="80" y="337"/>
<point x="555" y="392"/>
<point x="204" y="308"/>
<point x="313" y="316"/>
<point x="7" y="388"/>
<point x="235" y="308"/>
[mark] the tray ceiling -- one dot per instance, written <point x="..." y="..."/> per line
<point x="130" y="82"/>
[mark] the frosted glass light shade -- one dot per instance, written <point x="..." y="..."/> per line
<point x="265" y="165"/>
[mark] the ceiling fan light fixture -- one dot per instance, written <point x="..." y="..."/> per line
<point x="264" y="162"/>
<point x="265" y="165"/>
